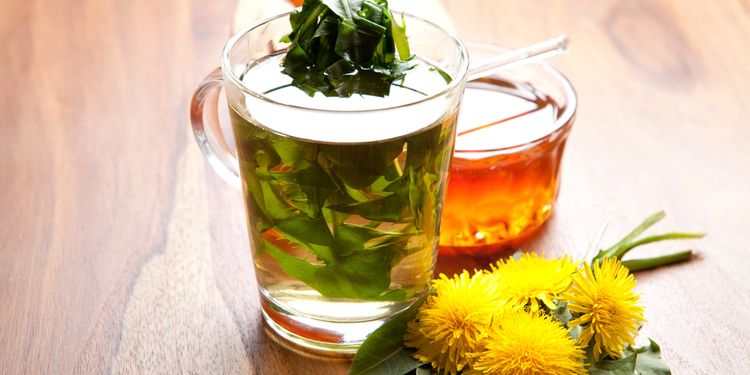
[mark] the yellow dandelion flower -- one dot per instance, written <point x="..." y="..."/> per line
<point x="533" y="279"/>
<point x="524" y="343"/>
<point x="454" y="321"/>
<point x="610" y="311"/>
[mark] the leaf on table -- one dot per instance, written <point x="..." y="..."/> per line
<point x="649" y="360"/>
<point x="424" y="369"/>
<point x="645" y="360"/>
<point x="622" y="366"/>
<point x="383" y="352"/>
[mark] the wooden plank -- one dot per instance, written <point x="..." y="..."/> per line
<point x="121" y="252"/>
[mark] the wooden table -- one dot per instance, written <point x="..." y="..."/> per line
<point x="121" y="252"/>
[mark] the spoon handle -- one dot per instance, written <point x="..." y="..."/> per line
<point x="534" y="52"/>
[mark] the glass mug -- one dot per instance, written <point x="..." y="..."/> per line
<point x="344" y="203"/>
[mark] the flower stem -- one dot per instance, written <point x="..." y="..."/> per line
<point x="648" y="263"/>
<point x="624" y="248"/>
<point x="651" y="220"/>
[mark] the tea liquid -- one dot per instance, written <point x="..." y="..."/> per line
<point x="343" y="207"/>
<point x="503" y="179"/>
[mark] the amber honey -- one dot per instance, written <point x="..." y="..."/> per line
<point x="505" y="173"/>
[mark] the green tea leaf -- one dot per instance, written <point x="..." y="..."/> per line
<point x="291" y="152"/>
<point x="345" y="47"/>
<point x="273" y="205"/>
<point x="364" y="275"/>
<point x="311" y="232"/>
<point x="301" y="194"/>
<point x="369" y="270"/>
<point x="399" y="38"/>
<point x="446" y="77"/>
<point x="310" y="274"/>
<point x="323" y="278"/>
<point x="296" y="198"/>
<point x="420" y="148"/>
<point x="328" y="26"/>
<point x="398" y="295"/>
<point x="262" y="222"/>
<point x="359" y="165"/>
<point x="416" y="194"/>
<point x="363" y="83"/>
<point x="313" y="176"/>
<point x="390" y="208"/>
<point x="400" y="186"/>
<point x="383" y="352"/>
<point x="357" y="40"/>
<point x="343" y="8"/>
<point x="332" y="201"/>
<point x="350" y="238"/>
<point x="316" y="198"/>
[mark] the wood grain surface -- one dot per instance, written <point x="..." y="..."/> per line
<point x="121" y="252"/>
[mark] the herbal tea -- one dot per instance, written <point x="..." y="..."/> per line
<point x="503" y="180"/>
<point x="343" y="223"/>
<point x="344" y="128"/>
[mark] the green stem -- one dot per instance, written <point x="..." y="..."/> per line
<point x="661" y="237"/>
<point x="649" y="263"/>
<point x="651" y="220"/>
<point x="409" y="88"/>
<point x="277" y="88"/>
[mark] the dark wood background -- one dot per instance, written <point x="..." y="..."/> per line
<point x="121" y="252"/>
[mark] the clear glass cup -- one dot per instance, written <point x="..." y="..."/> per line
<point x="505" y="173"/>
<point x="343" y="217"/>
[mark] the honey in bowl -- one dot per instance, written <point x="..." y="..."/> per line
<point x="505" y="173"/>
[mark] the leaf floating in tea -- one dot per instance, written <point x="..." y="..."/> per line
<point x="345" y="47"/>
<point x="344" y="218"/>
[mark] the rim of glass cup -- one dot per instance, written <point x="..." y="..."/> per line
<point x="227" y="69"/>
<point x="560" y="123"/>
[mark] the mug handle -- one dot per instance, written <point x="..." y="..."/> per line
<point x="204" y="117"/>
